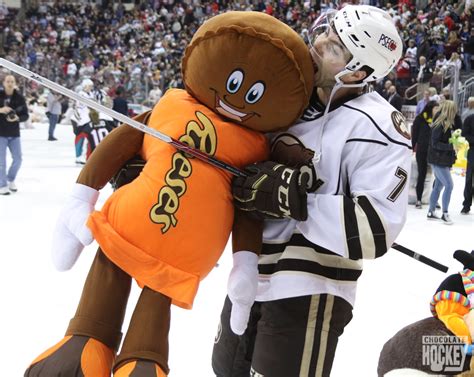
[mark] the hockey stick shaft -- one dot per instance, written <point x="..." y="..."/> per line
<point x="421" y="258"/>
<point x="120" y="117"/>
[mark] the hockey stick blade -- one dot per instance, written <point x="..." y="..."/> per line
<point x="120" y="117"/>
<point x="419" y="257"/>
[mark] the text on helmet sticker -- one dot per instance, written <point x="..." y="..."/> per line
<point x="387" y="42"/>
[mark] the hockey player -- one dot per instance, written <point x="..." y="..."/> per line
<point x="81" y="119"/>
<point x="100" y="123"/>
<point x="351" y="152"/>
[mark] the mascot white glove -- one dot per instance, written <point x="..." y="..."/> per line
<point x="242" y="289"/>
<point x="71" y="233"/>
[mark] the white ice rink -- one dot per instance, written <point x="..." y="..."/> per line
<point x="37" y="302"/>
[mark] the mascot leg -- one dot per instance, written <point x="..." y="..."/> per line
<point x="145" y="349"/>
<point x="94" y="334"/>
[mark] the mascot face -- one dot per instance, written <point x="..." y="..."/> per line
<point x="251" y="68"/>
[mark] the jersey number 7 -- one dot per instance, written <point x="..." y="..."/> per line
<point x="403" y="176"/>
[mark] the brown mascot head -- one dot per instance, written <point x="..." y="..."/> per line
<point x="251" y="68"/>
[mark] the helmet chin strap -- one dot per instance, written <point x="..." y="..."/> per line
<point x="338" y="85"/>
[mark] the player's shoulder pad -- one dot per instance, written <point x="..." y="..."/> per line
<point x="379" y="120"/>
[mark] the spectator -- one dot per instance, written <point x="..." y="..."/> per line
<point x="425" y="73"/>
<point x="120" y="103"/>
<point x="411" y="53"/>
<point x="470" y="109"/>
<point x="468" y="47"/>
<point x="434" y="96"/>
<point x="71" y="70"/>
<point x="445" y="95"/>
<point x="13" y="110"/>
<point x="394" y="98"/>
<point x="404" y="73"/>
<point x="441" y="156"/>
<point x="468" y="133"/>
<point x="422" y="102"/>
<point x="154" y="96"/>
<point x="420" y="140"/>
<point x="441" y="61"/>
<point x="453" y="44"/>
<point x="128" y="47"/>
<point x="385" y="91"/>
<point x="454" y="61"/>
<point x="53" y="112"/>
<point x="449" y="22"/>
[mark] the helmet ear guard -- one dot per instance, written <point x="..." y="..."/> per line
<point x="371" y="37"/>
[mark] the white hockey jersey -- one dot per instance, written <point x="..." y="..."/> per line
<point x="81" y="112"/>
<point x="364" y="152"/>
<point x="101" y="97"/>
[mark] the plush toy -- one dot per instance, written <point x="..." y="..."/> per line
<point x="245" y="73"/>
<point x="451" y="307"/>
<point x="454" y="297"/>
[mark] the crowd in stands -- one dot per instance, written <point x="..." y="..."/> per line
<point x="135" y="54"/>
<point x="140" y="49"/>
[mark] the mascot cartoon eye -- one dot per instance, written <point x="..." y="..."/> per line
<point x="235" y="81"/>
<point x="255" y="92"/>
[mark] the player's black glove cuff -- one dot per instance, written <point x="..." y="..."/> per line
<point x="271" y="190"/>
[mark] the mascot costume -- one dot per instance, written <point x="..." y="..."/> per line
<point x="245" y="73"/>
<point x="451" y="307"/>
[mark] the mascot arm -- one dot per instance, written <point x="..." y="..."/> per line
<point x="452" y="315"/>
<point x="118" y="147"/>
<point x="71" y="233"/>
<point x="246" y="232"/>
<point x="243" y="278"/>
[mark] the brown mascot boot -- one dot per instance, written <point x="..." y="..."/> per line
<point x="139" y="368"/>
<point x="74" y="356"/>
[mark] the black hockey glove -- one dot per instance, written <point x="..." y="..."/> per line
<point x="271" y="190"/>
<point x="128" y="172"/>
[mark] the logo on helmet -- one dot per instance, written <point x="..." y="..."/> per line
<point x="387" y="42"/>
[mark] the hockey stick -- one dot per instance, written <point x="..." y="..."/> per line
<point x="167" y="139"/>
<point x="120" y="117"/>
<point x="419" y="257"/>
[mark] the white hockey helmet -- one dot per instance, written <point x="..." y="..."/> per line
<point x="87" y="83"/>
<point x="371" y="37"/>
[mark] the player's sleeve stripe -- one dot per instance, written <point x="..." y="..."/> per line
<point x="376" y="226"/>
<point x="351" y="228"/>
<point x="365" y="233"/>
